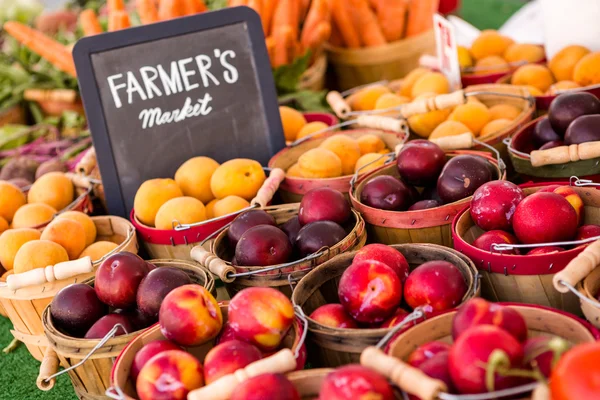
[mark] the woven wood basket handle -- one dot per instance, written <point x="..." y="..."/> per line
<point x="579" y="267"/>
<point x="338" y="104"/>
<point x="87" y="163"/>
<point x="281" y="362"/>
<point x="439" y="102"/>
<point x="382" y="123"/>
<point x="269" y="187"/>
<point x="51" y="273"/>
<point x="79" y="181"/>
<point x="541" y="392"/>
<point x="213" y="263"/>
<point x="456" y="142"/>
<point x="406" y="377"/>
<point x="565" y="154"/>
<point x="48" y="367"/>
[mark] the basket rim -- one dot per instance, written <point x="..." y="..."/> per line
<point x="337" y="51"/>
<point x="518" y="260"/>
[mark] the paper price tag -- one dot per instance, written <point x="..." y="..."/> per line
<point x="447" y="54"/>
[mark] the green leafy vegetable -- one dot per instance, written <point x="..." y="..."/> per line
<point x="287" y="77"/>
<point x="306" y="100"/>
<point x="20" y="10"/>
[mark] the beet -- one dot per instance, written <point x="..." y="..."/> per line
<point x="19" y="167"/>
<point x="53" y="165"/>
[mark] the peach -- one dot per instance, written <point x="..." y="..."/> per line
<point x="494" y="204"/>
<point x="478" y="311"/>
<point x="572" y="197"/>
<point x="496" y="236"/>
<point x="238" y="177"/>
<point x="333" y="315"/>
<point x="324" y="204"/>
<point x="545" y="250"/>
<point x="587" y="231"/>
<point x="425" y="351"/>
<point x="190" y="316"/>
<point x="266" y="386"/>
<point x="171" y="374"/>
<point x="228" y="357"/>
<point x="261" y="316"/>
<point x="147" y="352"/>
<point x="336" y="385"/>
<point x="370" y="291"/>
<point x="535" y="219"/>
<point x="439" y="284"/>
<point x="387" y="255"/>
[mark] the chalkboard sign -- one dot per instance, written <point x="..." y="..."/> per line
<point x="159" y="94"/>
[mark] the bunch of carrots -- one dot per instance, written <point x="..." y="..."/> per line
<point x="291" y="27"/>
<point x="370" y="23"/>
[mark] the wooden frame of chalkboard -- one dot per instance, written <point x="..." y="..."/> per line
<point x="112" y="149"/>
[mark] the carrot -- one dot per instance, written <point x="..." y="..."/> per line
<point x="118" y="20"/>
<point x="169" y="9"/>
<point x="55" y="95"/>
<point x="303" y="6"/>
<point x="392" y="18"/>
<point x="366" y="24"/>
<point x="284" y="46"/>
<point x="115" y="5"/>
<point x="54" y="52"/>
<point x="270" y="42"/>
<point x="269" y="7"/>
<point x="89" y="23"/>
<point x="286" y="15"/>
<point x="318" y="37"/>
<point x="336" y="37"/>
<point x="340" y="12"/>
<point x="257" y="5"/>
<point x="319" y="12"/>
<point x="420" y="16"/>
<point x="236" y="3"/>
<point x="191" y="7"/>
<point x="147" y="11"/>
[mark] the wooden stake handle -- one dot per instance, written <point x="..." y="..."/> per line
<point x="541" y="392"/>
<point x="456" y="142"/>
<point x="407" y="378"/>
<point x="579" y="267"/>
<point x="213" y="263"/>
<point x="281" y="362"/>
<point x="438" y="102"/>
<point x="382" y="123"/>
<point x="48" y="367"/>
<point x="51" y="273"/>
<point x="87" y="162"/>
<point x="80" y="181"/>
<point x="338" y="104"/>
<point x="269" y="187"/>
<point x="565" y="154"/>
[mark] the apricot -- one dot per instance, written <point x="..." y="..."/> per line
<point x="504" y="111"/>
<point x="320" y="163"/>
<point x="495" y="126"/>
<point x="239" y="177"/>
<point x="490" y="43"/>
<point x="54" y="189"/>
<point x="390" y="100"/>
<point x="193" y="178"/>
<point x="292" y="120"/>
<point x="563" y="63"/>
<point x="527" y="52"/>
<point x="98" y="250"/>
<point x="536" y="75"/>
<point x="464" y="57"/>
<point x="11" y="198"/>
<point x="229" y="205"/>
<point x="369" y="162"/>
<point x="3" y="224"/>
<point x="33" y="215"/>
<point x="533" y="90"/>
<point x="311" y="128"/>
<point x="182" y="210"/>
<point x="410" y="79"/>
<point x="67" y="233"/>
<point x="587" y="70"/>
<point x="370" y="143"/>
<point x="491" y="65"/>
<point x="424" y="124"/>
<point x="294" y="171"/>
<point x="38" y="254"/>
<point x="11" y="241"/>
<point x="449" y="128"/>
<point x="562" y="85"/>
<point x="433" y="82"/>
<point x="474" y="115"/>
<point x="210" y="209"/>
<point x="151" y="195"/>
<point x="346" y="148"/>
<point x="365" y="99"/>
<point x="85" y="221"/>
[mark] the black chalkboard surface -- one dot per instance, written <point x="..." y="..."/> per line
<point x="160" y="94"/>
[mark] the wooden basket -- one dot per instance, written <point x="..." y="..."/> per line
<point x="332" y="347"/>
<point x="355" y="67"/>
<point x="177" y="244"/>
<point x="25" y="306"/>
<point x="12" y="115"/>
<point x="519" y="278"/>
<point x="120" y="374"/>
<point x="314" y="77"/>
<point x="520" y="147"/>
<point x="279" y="277"/>
<point x="92" y="378"/>
<point x="292" y="189"/>
<point x="541" y="321"/>
<point x="423" y="226"/>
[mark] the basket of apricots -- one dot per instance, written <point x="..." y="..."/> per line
<point x="574" y="68"/>
<point x="276" y="246"/>
<point x="298" y="125"/>
<point x="172" y="215"/>
<point x="255" y="333"/>
<point x="40" y="262"/>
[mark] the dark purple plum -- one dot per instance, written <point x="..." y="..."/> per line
<point x="248" y="220"/>
<point x="76" y="308"/>
<point x="552" y="144"/>
<point x="431" y="193"/>
<point x="262" y="246"/>
<point x="386" y="193"/>
<point x="291" y="228"/>
<point x="543" y="133"/>
<point x="155" y="287"/>
<point x="583" y="129"/>
<point x="423" y="205"/>
<point x="420" y="162"/>
<point x="568" y="106"/>
<point x="324" y="204"/>
<point x="461" y="177"/>
<point x="137" y="318"/>
<point x="106" y="323"/>
<point x="118" y="278"/>
<point x="317" y="235"/>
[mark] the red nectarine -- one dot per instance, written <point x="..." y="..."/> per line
<point x="367" y="384"/>
<point x="494" y="204"/>
<point x="439" y="284"/>
<point x="488" y="239"/>
<point x="387" y="255"/>
<point x="333" y="315"/>
<point x="228" y="357"/>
